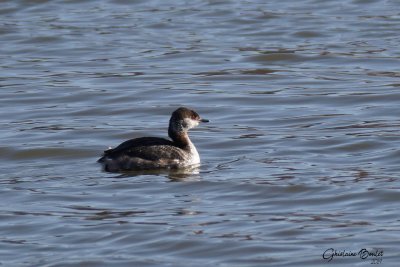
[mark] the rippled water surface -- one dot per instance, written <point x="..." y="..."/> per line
<point x="301" y="155"/>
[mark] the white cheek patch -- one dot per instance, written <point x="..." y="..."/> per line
<point x="190" y="123"/>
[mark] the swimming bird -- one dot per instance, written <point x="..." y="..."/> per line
<point x="146" y="153"/>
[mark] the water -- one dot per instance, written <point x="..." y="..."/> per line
<point x="301" y="155"/>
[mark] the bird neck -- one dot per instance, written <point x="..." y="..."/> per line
<point x="179" y="136"/>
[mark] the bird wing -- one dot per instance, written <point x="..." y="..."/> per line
<point x="148" y="148"/>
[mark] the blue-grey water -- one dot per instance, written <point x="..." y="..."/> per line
<point x="301" y="157"/>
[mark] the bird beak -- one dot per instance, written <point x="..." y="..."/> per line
<point x="204" y="120"/>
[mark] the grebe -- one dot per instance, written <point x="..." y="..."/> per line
<point x="154" y="152"/>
